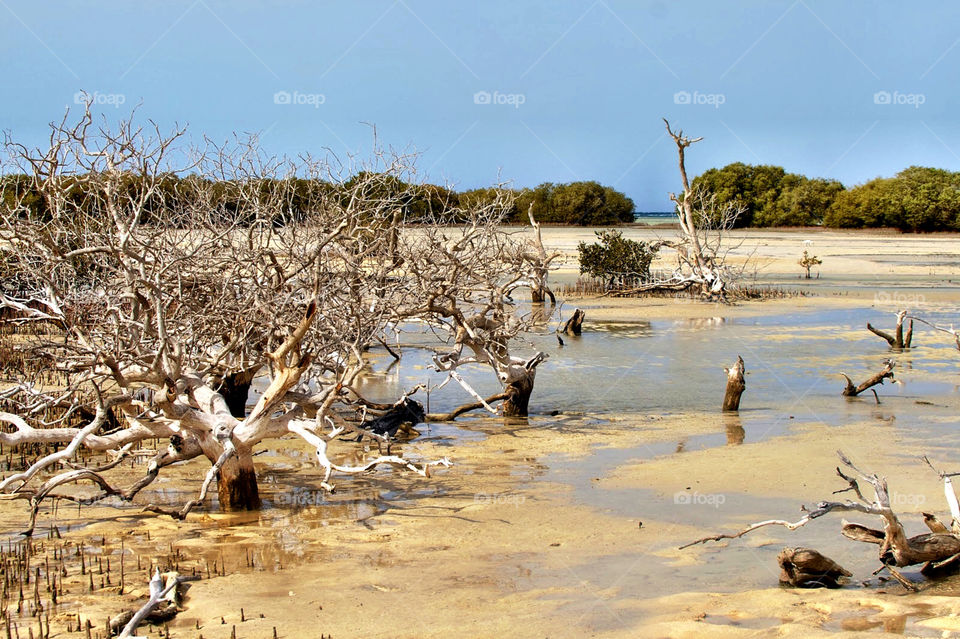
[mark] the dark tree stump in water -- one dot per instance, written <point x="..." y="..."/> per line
<point x="518" y="394"/>
<point x="807" y="568"/>
<point x="736" y="384"/>
<point x="574" y="325"/>
<point x="237" y="484"/>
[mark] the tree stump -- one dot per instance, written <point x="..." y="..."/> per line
<point x="736" y="384"/>
<point x="573" y="325"/>
<point x="237" y="483"/>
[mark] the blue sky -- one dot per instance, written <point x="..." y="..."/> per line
<point x="531" y="90"/>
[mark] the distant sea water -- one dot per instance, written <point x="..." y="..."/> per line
<point x="654" y="217"/>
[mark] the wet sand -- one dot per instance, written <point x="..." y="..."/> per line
<point x="568" y="525"/>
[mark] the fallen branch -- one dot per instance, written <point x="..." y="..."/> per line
<point x="159" y="591"/>
<point x="465" y="408"/>
<point x="886" y="373"/>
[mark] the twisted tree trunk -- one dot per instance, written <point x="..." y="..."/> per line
<point x="237" y="483"/>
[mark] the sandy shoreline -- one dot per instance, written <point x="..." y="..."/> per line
<point x="568" y="526"/>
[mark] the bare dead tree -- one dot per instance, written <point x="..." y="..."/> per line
<point x="533" y="259"/>
<point x="466" y="283"/>
<point x="702" y="249"/>
<point x="163" y="299"/>
<point x="898" y="340"/>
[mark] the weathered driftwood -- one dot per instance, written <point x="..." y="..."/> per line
<point x="885" y="373"/>
<point x="936" y="550"/>
<point x="574" y="323"/>
<point x="929" y="547"/>
<point x="807" y="568"/>
<point x="898" y="340"/>
<point x="736" y="384"/>
<point x="164" y="591"/>
<point x="943" y="329"/>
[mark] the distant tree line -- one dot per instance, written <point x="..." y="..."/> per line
<point x="915" y="199"/>
<point x="575" y="203"/>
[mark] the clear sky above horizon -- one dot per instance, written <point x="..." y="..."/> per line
<point x="532" y="91"/>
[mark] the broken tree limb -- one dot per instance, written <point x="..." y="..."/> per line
<point x="885" y="373"/>
<point x="943" y="329"/>
<point x="158" y="593"/>
<point x="897" y="340"/>
<point x="736" y="384"/>
<point x="574" y="324"/>
<point x="305" y="429"/>
<point x="466" y="408"/>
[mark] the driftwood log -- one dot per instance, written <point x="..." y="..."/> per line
<point x="938" y="550"/>
<point x="165" y="593"/>
<point x="735" y="385"/>
<point x="885" y="373"/>
<point x="807" y="568"/>
<point x="574" y="324"/>
<point x="898" y="340"/>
